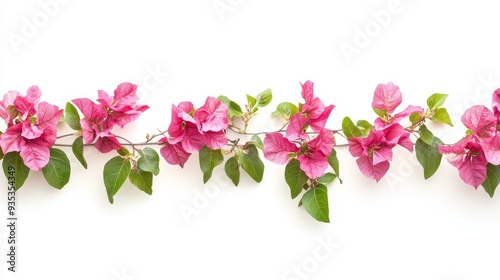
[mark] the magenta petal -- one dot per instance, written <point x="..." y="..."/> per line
<point x="8" y="99"/>
<point x="174" y="154"/>
<point x="406" y="112"/>
<point x="319" y="123"/>
<point x="30" y="131"/>
<point x="212" y="116"/>
<point x="48" y="115"/>
<point x="93" y="112"/>
<point x="126" y="91"/>
<point x="296" y="128"/>
<point x="382" y="154"/>
<point x="88" y="131"/>
<point x="473" y="170"/>
<point x="215" y="140"/>
<point x="193" y="141"/>
<point x="491" y="149"/>
<point x="313" y="164"/>
<point x="10" y="140"/>
<point x="356" y="147"/>
<point x="370" y="170"/>
<point x="307" y="91"/>
<point x="396" y="134"/>
<point x="278" y="148"/>
<point x="496" y="104"/>
<point x="323" y="142"/>
<point x="104" y="98"/>
<point x="107" y="144"/>
<point x="481" y="121"/>
<point x="387" y="97"/>
<point x="35" y="154"/>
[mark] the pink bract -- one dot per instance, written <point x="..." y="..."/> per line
<point x="31" y="127"/>
<point x="387" y="97"/>
<point x="190" y="129"/>
<point x="496" y="104"/>
<point x="278" y="148"/>
<point x="468" y="157"/>
<point x="314" y="161"/>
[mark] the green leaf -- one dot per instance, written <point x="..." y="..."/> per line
<point x="426" y="135"/>
<point x="232" y="169"/>
<point x="77" y="148"/>
<point x="315" y="201"/>
<point x="142" y="179"/>
<point x="492" y="179"/>
<point x="115" y="173"/>
<point x="380" y="113"/>
<point x="251" y="163"/>
<point x="327" y="178"/>
<point x="149" y="160"/>
<point x="428" y="156"/>
<point x="285" y="110"/>
<point x="295" y="177"/>
<point x="415" y="118"/>
<point x="436" y="100"/>
<point x="72" y="117"/>
<point x="441" y="115"/>
<point x="209" y="159"/>
<point x="350" y="129"/>
<point x="123" y="152"/>
<point x="365" y="127"/>
<point x="58" y="170"/>
<point x="251" y="101"/>
<point x="234" y="110"/>
<point x="334" y="163"/>
<point x="257" y="142"/>
<point x="264" y="98"/>
<point x="20" y="171"/>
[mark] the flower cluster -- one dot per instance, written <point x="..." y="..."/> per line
<point x="375" y="150"/>
<point x="100" y="118"/>
<point x="303" y="143"/>
<point x="481" y="145"/>
<point x="190" y="130"/>
<point x="311" y="153"/>
<point x="31" y="127"/>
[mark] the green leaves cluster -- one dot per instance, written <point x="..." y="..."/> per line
<point x="244" y="158"/>
<point x="315" y="198"/>
<point x="253" y="104"/>
<point x="139" y="171"/>
<point x="426" y="146"/>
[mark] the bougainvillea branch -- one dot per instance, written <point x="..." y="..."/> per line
<point x="303" y="144"/>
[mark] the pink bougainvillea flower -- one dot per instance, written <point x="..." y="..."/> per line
<point x="374" y="152"/>
<point x="94" y="125"/>
<point x="396" y="134"/>
<point x="122" y="107"/>
<point x="386" y="99"/>
<point x="491" y="148"/>
<point x="297" y="127"/>
<point x="212" y="116"/>
<point x="481" y="121"/>
<point x="190" y="130"/>
<point x="278" y="148"/>
<point x="314" y="161"/>
<point x="388" y="120"/>
<point x="31" y="127"/>
<point x="496" y="104"/>
<point x="314" y="110"/>
<point x="174" y="153"/>
<point x="468" y="157"/>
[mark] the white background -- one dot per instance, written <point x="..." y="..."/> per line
<point x="401" y="228"/>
